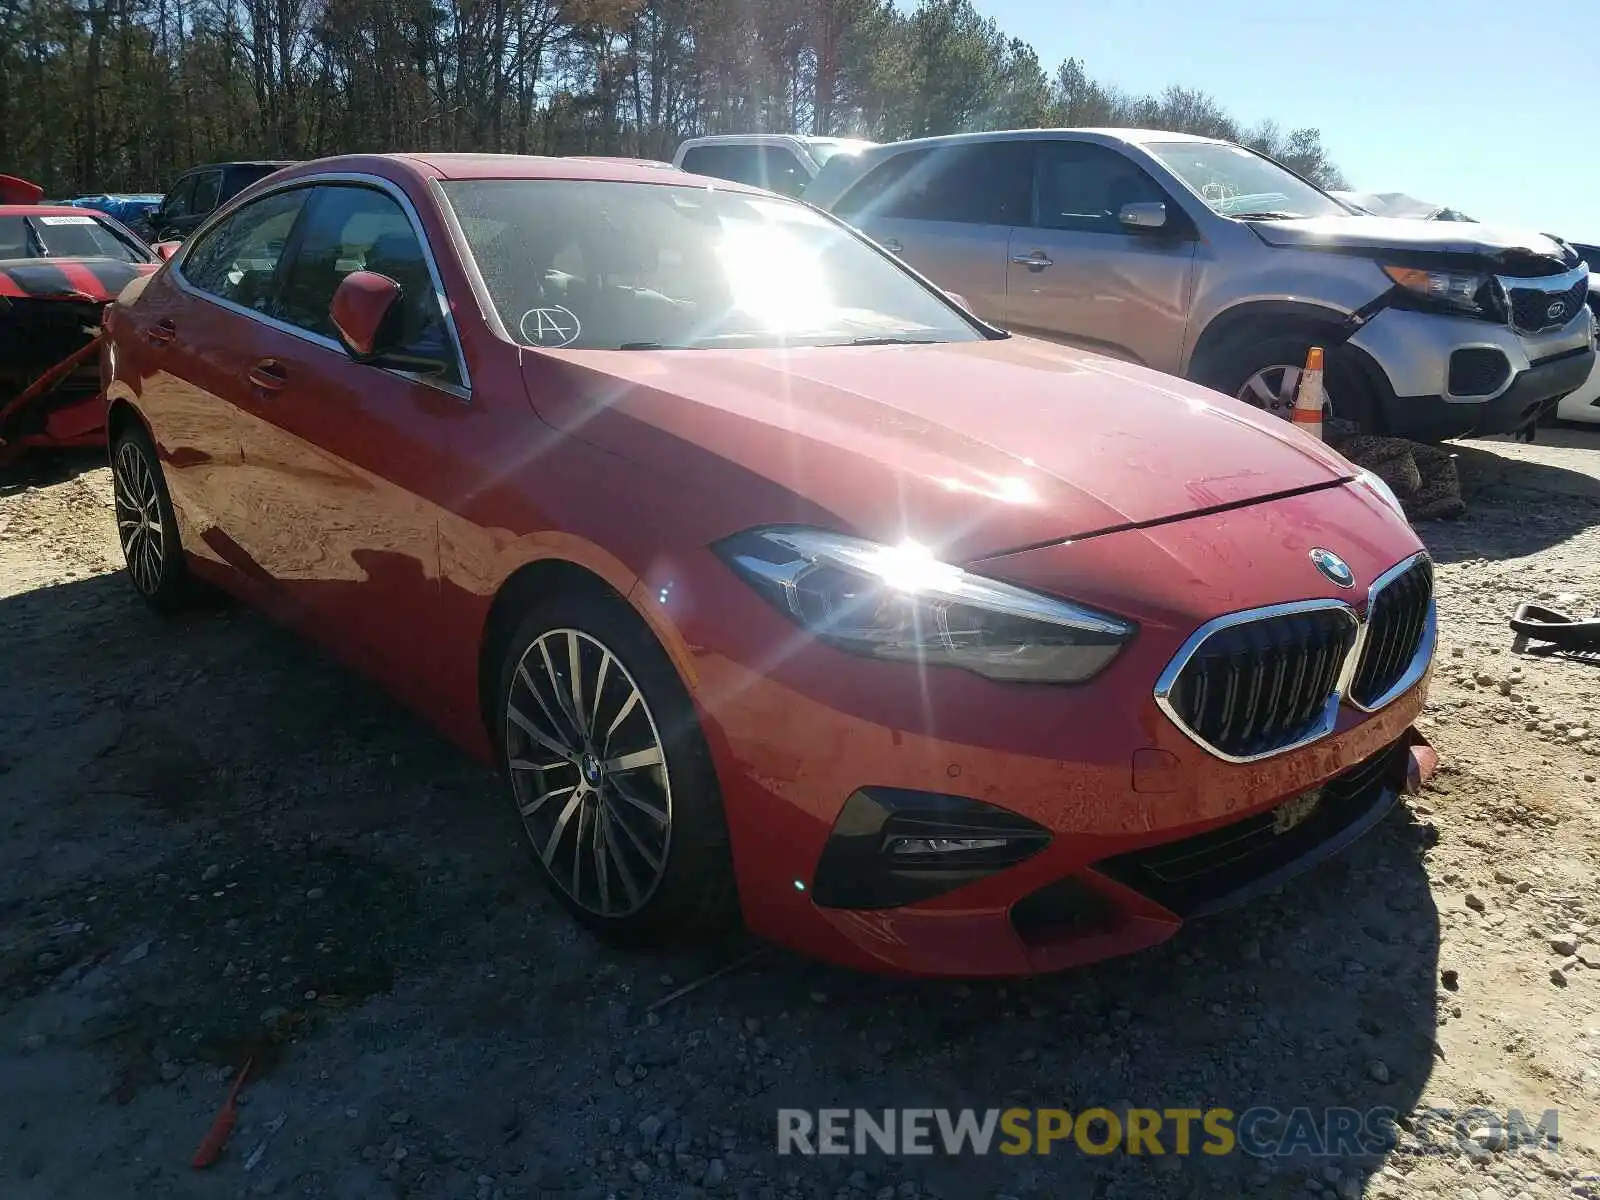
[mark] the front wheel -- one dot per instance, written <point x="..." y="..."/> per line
<point x="146" y="526"/>
<point x="1266" y="373"/>
<point x="611" y="775"/>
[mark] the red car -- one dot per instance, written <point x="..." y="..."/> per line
<point x="773" y="581"/>
<point x="59" y="266"/>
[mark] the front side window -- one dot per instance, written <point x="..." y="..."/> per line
<point x="1084" y="187"/>
<point x="352" y="228"/>
<point x="207" y="191"/>
<point x="238" y="259"/>
<point x="1236" y="182"/>
<point x="64" y="236"/>
<point x="608" y="265"/>
<point x="178" y="200"/>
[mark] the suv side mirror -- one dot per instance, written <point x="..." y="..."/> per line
<point x="1147" y="214"/>
<point x="958" y="300"/>
<point x="363" y="310"/>
<point x="165" y="250"/>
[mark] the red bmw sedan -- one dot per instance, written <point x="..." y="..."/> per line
<point x="775" y="584"/>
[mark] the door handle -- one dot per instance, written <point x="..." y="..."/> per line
<point x="892" y="245"/>
<point x="161" y="333"/>
<point x="268" y="375"/>
<point x="1037" y="259"/>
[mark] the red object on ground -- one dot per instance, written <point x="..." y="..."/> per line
<point x="216" y="1138"/>
<point x="531" y="428"/>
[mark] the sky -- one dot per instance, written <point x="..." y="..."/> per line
<point x="1482" y="105"/>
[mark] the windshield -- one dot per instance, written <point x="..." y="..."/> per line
<point x="63" y="236"/>
<point x="1237" y="182"/>
<point x="824" y="149"/>
<point x="605" y="265"/>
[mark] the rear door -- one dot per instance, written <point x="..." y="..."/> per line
<point x="948" y="211"/>
<point x="197" y="329"/>
<point x="340" y="458"/>
<point x="1077" y="274"/>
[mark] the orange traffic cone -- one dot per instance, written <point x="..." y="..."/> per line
<point x="1308" y="397"/>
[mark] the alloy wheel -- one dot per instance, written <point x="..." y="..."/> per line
<point x="589" y="772"/>
<point x="139" y="527"/>
<point x="1272" y="389"/>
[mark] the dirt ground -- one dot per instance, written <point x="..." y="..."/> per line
<point x="215" y="845"/>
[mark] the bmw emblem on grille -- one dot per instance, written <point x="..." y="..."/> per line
<point x="1334" y="567"/>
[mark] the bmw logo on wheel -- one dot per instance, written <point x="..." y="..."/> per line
<point x="1334" y="567"/>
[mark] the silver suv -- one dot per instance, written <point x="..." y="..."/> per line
<point x="1204" y="259"/>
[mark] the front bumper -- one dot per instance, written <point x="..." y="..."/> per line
<point x="796" y="729"/>
<point x="1413" y="351"/>
<point x="1583" y="404"/>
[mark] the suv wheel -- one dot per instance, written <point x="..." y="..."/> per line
<point x="1266" y="373"/>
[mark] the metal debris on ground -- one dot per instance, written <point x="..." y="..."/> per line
<point x="711" y="977"/>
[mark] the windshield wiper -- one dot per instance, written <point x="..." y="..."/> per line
<point x="36" y="239"/>
<point x="876" y="340"/>
<point x="1273" y="215"/>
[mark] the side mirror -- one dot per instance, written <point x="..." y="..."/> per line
<point x="165" y="250"/>
<point x="1148" y="214"/>
<point x="959" y="301"/>
<point x="361" y="313"/>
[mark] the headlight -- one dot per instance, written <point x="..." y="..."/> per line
<point x="1383" y="491"/>
<point x="1466" y="292"/>
<point x="900" y="602"/>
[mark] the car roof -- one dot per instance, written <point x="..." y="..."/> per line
<point x="275" y="163"/>
<point x="50" y="210"/>
<point x="448" y="166"/>
<point x="1130" y="136"/>
<point x="746" y="139"/>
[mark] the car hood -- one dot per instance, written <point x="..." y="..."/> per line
<point x="1397" y="233"/>
<point x="97" y="279"/>
<point x="974" y="448"/>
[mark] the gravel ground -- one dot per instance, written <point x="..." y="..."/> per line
<point x="219" y="846"/>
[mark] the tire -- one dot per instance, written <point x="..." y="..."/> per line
<point x="591" y="792"/>
<point x="1239" y="367"/>
<point x="147" y="530"/>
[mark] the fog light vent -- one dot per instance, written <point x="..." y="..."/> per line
<point x="891" y="847"/>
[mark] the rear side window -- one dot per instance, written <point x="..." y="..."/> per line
<point x="238" y="259"/>
<point x="1083" y="187"/>
<point x="352" y="228"/>
<point x="867" y="195"/>
<point x="207" y="192"/>
<point x="988" y="183"/>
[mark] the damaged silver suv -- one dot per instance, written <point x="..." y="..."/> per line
<point x="1207" y="260"/>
